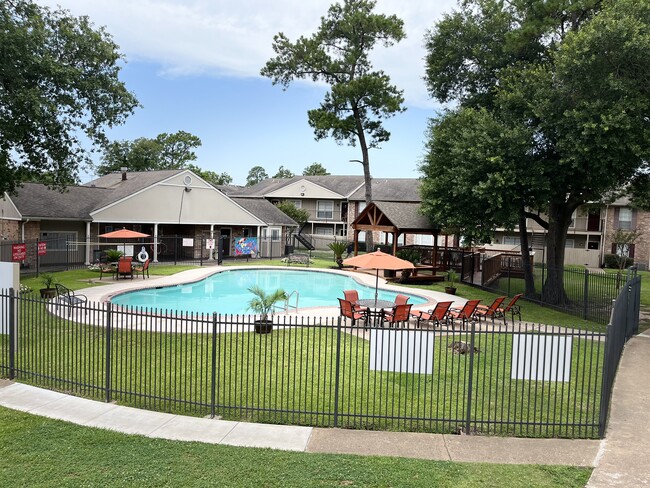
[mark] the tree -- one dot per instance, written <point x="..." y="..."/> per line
<point x="165" y="151"/>
<point x="315" y="169"/>
<point x="565" y="84"/>
<point x="338" y="55"/>
<point x="211" y="177"/>
<point x="255" y="175"/>
<point x="283" y="173"/>
<point x="59" y="79"/>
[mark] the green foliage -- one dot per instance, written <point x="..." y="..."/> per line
<point x="338" y="248"/>
<point x="411" y="255"/>
<point x="48" y="280"/>
<point x="263" y="302"/>
<point x="211" y="177"/>
<point x="60" y="84"/>
<point x="283" y="173"/>
<point x="165" y="151"/>
<point x="315" y="169"/>
<point x="300" y="215"/>
<point x="255" y="175"/>
<point x="551" y="106"/>
<point x="452" y="276"/>
<point x="614" y="261"/>
<point x="113" y="254"/>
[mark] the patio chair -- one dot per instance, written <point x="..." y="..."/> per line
<point x="69" y="298"/>
<point x="398" y="314"/>
<point x="352" y="296"/>
<point x="437" y="314"/>
<point x="512" y="308"/>
<point x="401" y="299"/>
<point x="107" y="268"/>
<point x="142" y="268"/>
<point x="465" y="314"/>
<point x="124" y="267"/>
<point x="483" y="311"/>
<point x="348" y="311"/>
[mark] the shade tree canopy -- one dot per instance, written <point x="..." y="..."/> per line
<point x="59" y="85"/>
<point x="283" y="173"/>
<point x="550" y="112"/>
<point x="255" y="175"/>
<point x="315" y="169"/>
<point x="338" y="55"/>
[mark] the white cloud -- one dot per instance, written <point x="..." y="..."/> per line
<point x="226" y="38"/>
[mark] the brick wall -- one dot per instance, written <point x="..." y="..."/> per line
<point x="642" y="244"/>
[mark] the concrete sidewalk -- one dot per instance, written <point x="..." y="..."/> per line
<point x="294" y="438"/>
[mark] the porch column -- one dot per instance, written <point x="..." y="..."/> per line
<point x="87" y="243"/>
<point x="155" y="242"/>
<point x="395" y="243"/>
<point x="259" y="241"/>
<point x="356" y="242"/>
<point x="211" y="258"/>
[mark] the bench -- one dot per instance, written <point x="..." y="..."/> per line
<point x="298" y="259"/>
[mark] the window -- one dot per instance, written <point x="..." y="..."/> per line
<point x="511" y="240"/>
<point x="570" y="244"/>
<point x="572" y="224"/>
<point x="625" y="218"/>
<point x="323" y="231"/>
<point x="297" y="203"/>
<point x="325" y="209"/>
<point x="272" y="232"/>
<point x="58" y="241"/>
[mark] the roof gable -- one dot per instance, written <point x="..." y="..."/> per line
<point x="303" y="188"/>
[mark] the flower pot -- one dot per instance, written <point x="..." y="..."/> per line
<point x="263" y="326"/>
<point x="451" y="290"/>
<point x="48" y="292"/>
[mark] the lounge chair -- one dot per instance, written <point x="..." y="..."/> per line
<point x="483" y="311"/>
<point x="142" y="268"/>
<point x="398" y="314"/>
<point x="437" y="314"/>
<point x="511" y="308"/>
<point x="349" y="312"/>
<point x="107" y="268"/>
<point x="465" y="314"/>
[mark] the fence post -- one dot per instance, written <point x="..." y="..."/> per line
<point x="338" y="369"/>
<point x="585" y="299"/>
<point x="12" y="334"/>
<point x="605" y="390"/>
<point x="108" y="353"/>
<point x="201" y="252"/>
<point x="213" y="372"/>
<point x="509" y="268"/>
<point x="468" y="410"/>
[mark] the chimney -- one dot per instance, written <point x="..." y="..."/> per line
<point x="123" y="169"/>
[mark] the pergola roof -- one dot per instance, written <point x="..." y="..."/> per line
<point x="394" y="217"/>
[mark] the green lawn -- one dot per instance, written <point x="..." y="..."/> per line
<point x="40" y="452"/>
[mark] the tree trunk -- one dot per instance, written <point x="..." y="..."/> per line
<point x="558" y="223"/>
<point x="529" y="278"/>
<point x="366" y="174"/>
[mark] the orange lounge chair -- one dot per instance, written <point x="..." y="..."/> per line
<point x="436" y="315"/>
<point x="483" y="311"/>
<point x="465" y="314"/>
<point x="512" y="308"/>
<point x="398" y="314"/>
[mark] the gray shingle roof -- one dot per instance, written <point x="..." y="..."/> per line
<point x="265" y="211"/>
<point x="343" y="185"/>
<point x="405" y="216"/>
<point x="35" y="200"/>
<point x="391" y="189"/>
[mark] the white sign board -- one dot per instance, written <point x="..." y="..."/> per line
<point x="401" y="351"/>
<point x="188" y="242"/>
<point x="537" y="357"/>
<point x="9" y="278"/>
<point x="209" y="243"/>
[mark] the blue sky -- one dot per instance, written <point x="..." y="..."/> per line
<point x="194" y="66"/>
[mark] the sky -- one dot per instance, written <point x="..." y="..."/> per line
<point x="194" y="66"/>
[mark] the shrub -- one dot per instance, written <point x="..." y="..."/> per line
<point x="614" y="261"/>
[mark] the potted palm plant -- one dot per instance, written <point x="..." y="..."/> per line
<point x="262" y="304"/>
<point x="452" y="276"/>
<point x="48" y="281"/>
<point x="338" y="247"/>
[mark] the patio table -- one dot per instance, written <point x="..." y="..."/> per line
<point x="375" y="309"/>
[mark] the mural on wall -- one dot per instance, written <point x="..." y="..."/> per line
<point x="246" y="245"/>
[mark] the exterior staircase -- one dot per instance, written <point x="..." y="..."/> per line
<point x="304" y="240"/>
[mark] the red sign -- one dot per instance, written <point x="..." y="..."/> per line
<point x="18" y="252"/>
<point x="42" y="248"/>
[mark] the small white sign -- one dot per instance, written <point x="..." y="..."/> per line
<point x="401" y="351"/>
<point x="536" y="357"/>
<point x="188" y="242"/>
<point x="209" y="243"/>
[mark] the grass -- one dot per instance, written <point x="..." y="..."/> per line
<point x="40" y="452"/>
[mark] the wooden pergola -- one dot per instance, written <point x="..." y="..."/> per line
<point x="393" y="218"/>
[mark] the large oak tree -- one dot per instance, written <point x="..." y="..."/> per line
<point x="59" y="80"/>
<point x="338" y="55"/>
<point x="550" y="111"/>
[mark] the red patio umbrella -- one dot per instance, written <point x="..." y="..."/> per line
<point x="124" y="233"/>
<point x="378" y="260"/>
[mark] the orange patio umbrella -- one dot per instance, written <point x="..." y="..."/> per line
<point x="124" y="233"/>
<point x="378" y="260"/>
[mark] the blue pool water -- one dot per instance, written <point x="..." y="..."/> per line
<point x="227" y="292"/>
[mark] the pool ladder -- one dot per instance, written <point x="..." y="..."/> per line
<point x="287" y="304"/>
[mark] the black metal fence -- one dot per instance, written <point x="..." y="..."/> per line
<point x="520" y="379"/>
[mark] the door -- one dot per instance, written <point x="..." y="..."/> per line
<point x="225" y="242"/>
<point x="593" y="220"/>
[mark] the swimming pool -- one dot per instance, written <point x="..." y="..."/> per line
<point x="227" y="292"/>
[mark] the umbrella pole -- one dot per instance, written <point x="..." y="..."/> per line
<point x="376" y="287"/>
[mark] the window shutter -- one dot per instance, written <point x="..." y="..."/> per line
<point x="631" y="250"/>
<point x="613" y="248"/>
<point x="634" y="214"/>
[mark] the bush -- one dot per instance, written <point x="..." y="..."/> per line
<point x="613" y="261"/>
